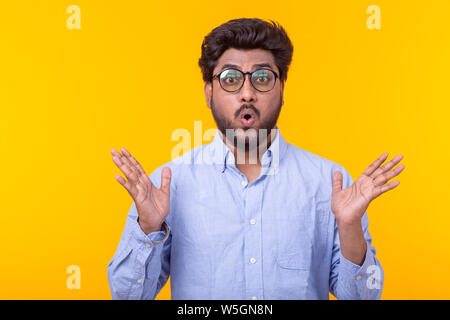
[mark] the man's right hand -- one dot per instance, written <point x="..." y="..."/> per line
<point x="152" y="203"/>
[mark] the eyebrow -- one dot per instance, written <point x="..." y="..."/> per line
<point x="258" y="65"/>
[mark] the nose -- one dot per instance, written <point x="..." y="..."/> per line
<point x="247" y="92"/>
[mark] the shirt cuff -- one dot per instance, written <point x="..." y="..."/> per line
<point x="155" y="237"/>
<point x="359" y="280"/>
<point x="354" y="269"/>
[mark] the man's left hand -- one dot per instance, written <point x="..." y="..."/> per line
<point x="349" y="205"/>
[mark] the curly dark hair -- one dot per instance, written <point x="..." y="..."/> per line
<point x="246" y="33"/>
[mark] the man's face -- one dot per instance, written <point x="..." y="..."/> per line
<point x="246" y="108"/>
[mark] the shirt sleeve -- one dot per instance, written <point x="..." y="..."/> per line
<point x="351" y="281"/>
<point x="140" y="266"/>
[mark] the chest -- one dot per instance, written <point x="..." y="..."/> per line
<point x="283" y="218"/>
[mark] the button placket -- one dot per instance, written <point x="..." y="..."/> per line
<point x="253" y="240"/>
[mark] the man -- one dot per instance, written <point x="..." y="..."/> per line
<point x="248" y="216"/>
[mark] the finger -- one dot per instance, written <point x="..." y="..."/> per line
<point x="142" y="177"/>
<point x="337" y="181"/>
<point x="385" y="177"/>
<point x="166" y="176"/>
<point x="126" y="184"/>
<point x="370" y="169"/>
<point x="114" y="152"/>
<point x="133" y="161"/>
<point x="126" y="170"/>
<point x="387" y="166"/>
<point x="386" y="187"/>
<point x="129" y="164"/>
<point x="136" y="172"/>
<point x="117" y="154"/>
<point x="121" y="180"/>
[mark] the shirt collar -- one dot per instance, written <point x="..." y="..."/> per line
<point x="223" y="157"/>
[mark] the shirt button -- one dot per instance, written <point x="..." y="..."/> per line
<point x="252" y="221"/>
<point x="148" y="245"/>
<point x="252" y="260"/>
<point x="254" y="298"/>
<point x="139" y="281"/>
<point x="244" y="183"/>
<point x="358" y="277"/>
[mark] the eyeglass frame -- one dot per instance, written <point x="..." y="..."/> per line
<point x="250" y="73"/>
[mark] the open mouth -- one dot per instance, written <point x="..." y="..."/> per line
<point x="247" y="117"/>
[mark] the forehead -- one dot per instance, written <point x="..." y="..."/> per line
<point x="245" y="59"/>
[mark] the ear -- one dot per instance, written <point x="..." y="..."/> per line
<point x="208" y="93"/>
<point x="282" y="93"/>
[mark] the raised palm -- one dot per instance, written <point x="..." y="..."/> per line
<point x="349" y="205"/>
<point x="152" y="204"/>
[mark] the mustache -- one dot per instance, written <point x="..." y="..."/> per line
<point x="246" y="106"/>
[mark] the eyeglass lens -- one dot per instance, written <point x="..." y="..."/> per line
<point x="232" y="80"/>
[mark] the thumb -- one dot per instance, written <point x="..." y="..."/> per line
<point x="337" y="181"/>
<point x="166" y="176"/>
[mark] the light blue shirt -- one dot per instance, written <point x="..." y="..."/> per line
<point x="273" y="238"/>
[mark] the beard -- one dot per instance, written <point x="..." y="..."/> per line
<point x="262" y="131"/>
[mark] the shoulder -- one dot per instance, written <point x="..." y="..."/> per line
<point x="181" y="164"/>
<point x="313" y="165"/>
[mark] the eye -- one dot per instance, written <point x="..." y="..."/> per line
<point x="262" y="76"/>
<point x="262" y="79"/>
<point x="230" y="77"/>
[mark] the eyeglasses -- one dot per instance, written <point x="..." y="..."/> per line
<point x="231" y="80"/>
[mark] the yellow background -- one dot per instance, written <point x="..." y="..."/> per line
<point x="129" y="78"/>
